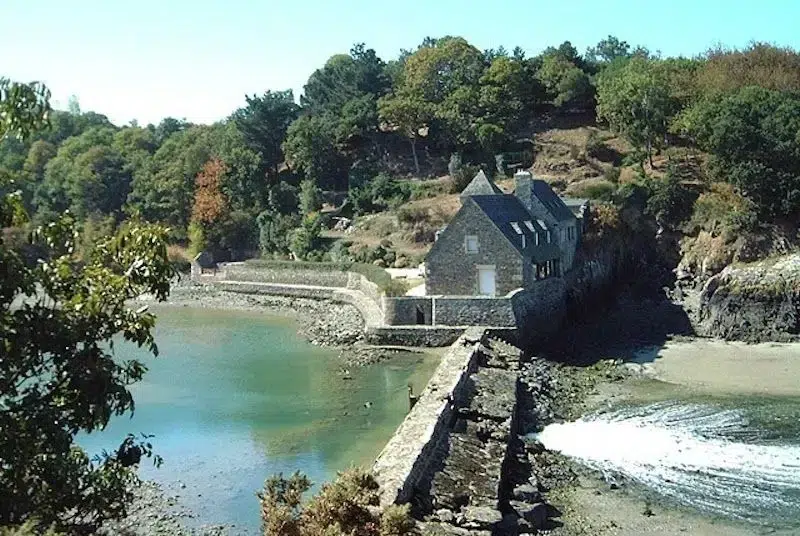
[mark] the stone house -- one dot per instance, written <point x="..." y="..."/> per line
<point x="498" y="242"/>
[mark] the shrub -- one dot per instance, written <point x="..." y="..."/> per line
<point x="310" y="197"/>
<point x="396" y="287"/>
<point x="412" y="214"/>
<point x="723" y="211"/>
<point x="462" y="178"/>
<point x="348" y="505"/>
<point x="303" y="240"/>
<point x="594" y="145"/>
<point x="611" y="174"/>
<point x="670" y="201"/>
<point x="604" y="218"/>
<point x="594" y="189"/>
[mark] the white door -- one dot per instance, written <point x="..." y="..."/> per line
<point x="486" y="283"/>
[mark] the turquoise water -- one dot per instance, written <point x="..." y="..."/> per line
<point x="235" y="397"/>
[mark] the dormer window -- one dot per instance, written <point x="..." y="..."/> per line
<point x="529" y="225"/>
<point x="471" y="243"/>
<point x="516" y="227"/>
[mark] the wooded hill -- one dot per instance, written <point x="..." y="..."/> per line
<point x="709" y="144"/>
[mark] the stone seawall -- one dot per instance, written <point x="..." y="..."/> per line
<point x="405" y="459"/>
<point x="459" y="458"/>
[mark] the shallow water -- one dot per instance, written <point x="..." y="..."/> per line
<point x="235" y="397"/>
<point x="737" y="458"/>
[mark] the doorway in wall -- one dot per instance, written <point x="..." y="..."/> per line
<point x="487" y="281"/>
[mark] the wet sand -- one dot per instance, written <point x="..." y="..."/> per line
<point x="719" y="367"/>
<point x="591" y="509"/>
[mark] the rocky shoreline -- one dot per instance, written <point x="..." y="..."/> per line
<point x="153" y="511"/>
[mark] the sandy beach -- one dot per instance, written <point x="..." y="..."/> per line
<point x="720" y="367"/>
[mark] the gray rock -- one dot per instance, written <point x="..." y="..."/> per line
<point x="527" y="493"/>
<point x="481" y="517"/>
<point x="445" y="515"/>
<point x="536" y="514"/>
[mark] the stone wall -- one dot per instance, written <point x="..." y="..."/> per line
<point x="540" y="310"/>
<point x="284" y="276"/>
<point x="473" y="311"/>
<point x="423" y="336"/>
<point x="407" y="310"/>
<point x="451" y="271"/>
<point x="405" y="458"/>
<point x="368" y="288"/>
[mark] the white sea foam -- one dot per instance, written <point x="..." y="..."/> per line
<point x="686" y="452"/>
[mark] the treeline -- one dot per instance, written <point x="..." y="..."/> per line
<point x="255" y="180"/>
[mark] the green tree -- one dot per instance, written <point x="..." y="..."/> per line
<point x="410" y="113"/>
<point x="310" y="197"/>
<point x="24" y="108"/>
<point x="162" y="191"/>
<point x="58" y="376"/>
<point x="345" y="77"/>
<point x="635" y="101"/>
<point x="608" y="50"/>
<point x="752" y="135"/>
<point x="310" y="147"/>
<point x="264" y="122"/>
<point x="567" y="85"/>
<point x="274" y="230"/>
<point x="244" y="182"/>
<point x="445" y="74"/>
<point x="85" y="165"/>
<point x="303" y="240"/>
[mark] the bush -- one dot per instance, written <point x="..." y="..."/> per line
<point x="670" y="201"/>
<point x="348" y="505"/>
<point x="378" y="194"/>
<point x="611" y="174"/>
<point x="412" y="214"/>
<point x="303" y="240"/>
<point x="600" y="190"/>
<point x="396" y="287"/>
<point x="595" y="146"/>
<point x="723" y="211"/>
<point x="463" y="177"/>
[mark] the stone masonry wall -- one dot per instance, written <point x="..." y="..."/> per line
<point x="540" y="310"/>
<point x="403" y="310"/>
<point x="451" y="271"/>
<point x="286" y="276"/>
<point x="405" y="458"/>
<point x="473" y="311"/>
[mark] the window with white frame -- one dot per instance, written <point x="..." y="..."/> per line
<point x="471" y="243"/>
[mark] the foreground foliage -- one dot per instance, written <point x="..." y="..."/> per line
<point x="60" y="316"/>
<point x="346" y="507"/>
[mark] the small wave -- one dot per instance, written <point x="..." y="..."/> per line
<point x="698" y="455"/>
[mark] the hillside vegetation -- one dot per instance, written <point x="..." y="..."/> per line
<point x="703" y="150"/>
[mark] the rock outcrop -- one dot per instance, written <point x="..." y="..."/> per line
<point x="756" y="302"/>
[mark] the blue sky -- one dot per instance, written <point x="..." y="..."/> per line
<point x="148" y="59"/>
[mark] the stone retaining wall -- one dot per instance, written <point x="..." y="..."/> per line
<point x="285" y="276"/>
<point x="473" y="311"/>
<point x="405" y="458"/>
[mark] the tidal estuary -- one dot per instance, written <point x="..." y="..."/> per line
<point x="237" y="396"/>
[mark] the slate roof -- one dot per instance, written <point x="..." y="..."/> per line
<point x="481" y="185"/>
<point x="504" y="209"/>
<point x="554" y="204"/>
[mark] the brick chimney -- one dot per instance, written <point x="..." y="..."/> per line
<point x="523" y="188"/>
